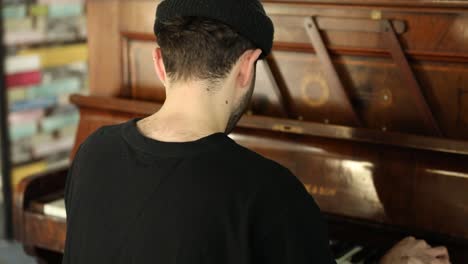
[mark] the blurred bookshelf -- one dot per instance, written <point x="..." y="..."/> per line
<point x="45" y="62"/>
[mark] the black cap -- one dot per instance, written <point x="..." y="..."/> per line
<point x="247" y="17"/>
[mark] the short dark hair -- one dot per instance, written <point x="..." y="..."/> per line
<point x="199" y="48"/>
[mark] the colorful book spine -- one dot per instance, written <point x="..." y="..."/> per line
<point x="25" y="63"/>
<point x="40" y="138"/>
<point x="23" y="130"/>
<point x="48" y="2"/>
<point x="64" y="100"/>
<point x="20" y="157"/>
<point x="38" y="10"/>
<point x="21" y="172"/>
<point x="14" y="11"/>
<point x="24" y="37"/>
<point x="39" y="103"/>
<point x="80" y="67"/>
<point x="66" y="28"/>
<point x="56" y="122"/>
<point x="18" y="24"/>
<point x="52" y="147"/>
<point x="59" y="56"/>
<point x="65" y="10"/>
<point x="26" y="116"/>
<point x="21" y="151"/>
<point x="55" y="88"/>
<point x="79" y="70"/>
<point x="23" y="78"/>
<point x="68" y="131"/>
<point x="16" y="94"/>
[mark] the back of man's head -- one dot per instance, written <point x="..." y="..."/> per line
<point x="203" y="39"/>
<point x="199" y="48"/>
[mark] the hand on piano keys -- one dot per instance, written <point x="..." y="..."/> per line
<point x="413" y="251"/>
<point x="407" y="251"/>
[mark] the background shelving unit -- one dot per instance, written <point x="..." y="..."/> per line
<point x="45" y="61"/>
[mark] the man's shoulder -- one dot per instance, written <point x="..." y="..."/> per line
<point x="104" y="138"/>
<point x="265" y="169"/>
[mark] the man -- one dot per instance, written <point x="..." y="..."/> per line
<point x="173" y="187"/>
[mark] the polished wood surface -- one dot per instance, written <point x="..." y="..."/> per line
<point x="374" y="76"/>
<point x="378" y="192"/>
<point x="370" y="112"/>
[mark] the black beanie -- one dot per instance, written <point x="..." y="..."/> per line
<point x="247" y="17"/>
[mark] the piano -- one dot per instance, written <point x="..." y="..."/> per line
<point x="365" y="101"/>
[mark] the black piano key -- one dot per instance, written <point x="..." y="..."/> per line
<point x="376" y="255"/>
<point x="341" y="248"/>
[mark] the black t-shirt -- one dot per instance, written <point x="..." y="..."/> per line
<point x="132" y="199"/>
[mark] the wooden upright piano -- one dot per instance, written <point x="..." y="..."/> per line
<point x="366" y="101"/>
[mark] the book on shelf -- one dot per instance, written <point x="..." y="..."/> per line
<point x="22" y="130"/>
<point x="54" y="88"/>
<point x="50" y="147"/>
<point x="58" y="121"/>
<point x="68" y="131"/>
<point x="18" y="24"/>
<point x="59" y="56"/>
<point x="40" y="138"/>
<point x="24" y="37"/>
<point x="23" y="63"/>
<point x="18" y="173"/>
<point x="80" y="67"/>
<point x="14" y="11"/>
<point x="21" y="151"/>
<point x="65" y="9"/>
<point x="66" y="28"/>
<point x="38" y="10"/>
<point x="26" y="116"/>
<point x="17" y="94"/>
<point x="39" y="103"/>
<point x="78" y="70"/>
<point x="47" y="2"/>
<point x="20" y="157"/>
<point x="23" y="78"/>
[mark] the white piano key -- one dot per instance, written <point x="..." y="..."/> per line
<point x="346" y="258"/>
<point x="56" y="208"/>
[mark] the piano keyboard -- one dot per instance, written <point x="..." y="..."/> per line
<point x="344" y="252"/>
<point x="55" y="208"/>
<point x="349" y="253"/>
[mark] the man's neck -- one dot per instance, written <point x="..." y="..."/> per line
<point x="188" y="114"/>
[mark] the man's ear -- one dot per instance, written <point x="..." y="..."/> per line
<point x="159" y="65"/>
<point x="247" y="67"/>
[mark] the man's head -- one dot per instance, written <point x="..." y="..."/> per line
<point x="214" y="44"/>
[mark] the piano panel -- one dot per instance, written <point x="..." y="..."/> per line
<point x="145" y="85"/>
<point x="397" y="186"/>
<point x="378" y="93"/>
<point x="376" y="88"/>
<point x="383" y="3"/>
<point x="441" y="32"/>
